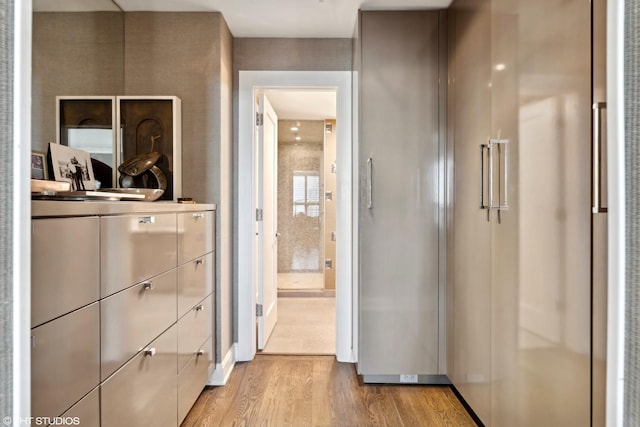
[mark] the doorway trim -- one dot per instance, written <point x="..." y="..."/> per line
<point x="249" y="83"/>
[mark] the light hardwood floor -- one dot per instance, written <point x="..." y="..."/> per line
<point x="318" y="391"/>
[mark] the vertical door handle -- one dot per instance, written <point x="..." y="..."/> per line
<point x="503" y="151"/>
<point x="482" y="148"/>
<point x="596" y="140"/>
<point x="490" y="146"/>
<point x="370" y="183"/>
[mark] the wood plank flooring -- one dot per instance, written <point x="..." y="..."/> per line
<point x="318" y="391"/>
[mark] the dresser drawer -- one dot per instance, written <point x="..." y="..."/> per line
<point x="134" y="248"/>
<point x="195" y="281"/>
<point x="193" y="379"/>
<point x="132" y="318"/>
<point x="193" y="330"/>
<point x="65" y="361"/>
<point x="196" y="231"/>
<point x="87" y="410"/>
<point x="65" y="273"/>
<point x="144" y="391"/>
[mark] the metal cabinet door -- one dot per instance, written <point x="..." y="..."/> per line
<point x="196" y="280"/>
<point x="65" y="268"/>
<point x="87" y="410"/>
<point x="196" y="235"/>
<point x="469" y="245"/>
<point x="192" y="379"/>
<point x="65" y="361"/>
<point x="193" y="330"/>
<point x="399" y="220"/>
<point x="135" y="248"/>
<point x="541" y="268"/>
<point x="144" y="391"/>
<point x="132" y="318"/>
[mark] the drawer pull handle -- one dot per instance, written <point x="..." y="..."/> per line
<point x="199" y="307"/>
<point x="198" y="216"/>
<point x="150" y="352"/>
<point x="146" y="219"/>
<point x="147" y="286"/>
<point x="199" y="262"/>
<point x="200" y="353"/>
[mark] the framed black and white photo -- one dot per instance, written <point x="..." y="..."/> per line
<point x="71" y="165"/>
<point x="39" y="165"/>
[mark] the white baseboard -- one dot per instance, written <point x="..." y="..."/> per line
<point x="221" y="374"/>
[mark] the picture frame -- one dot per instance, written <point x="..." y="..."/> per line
<point x="39" y="169"/>
<point x="71" y="165"/>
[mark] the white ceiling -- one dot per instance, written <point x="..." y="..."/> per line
<point x="263" y="18"/>
<point x="305" y="104"/>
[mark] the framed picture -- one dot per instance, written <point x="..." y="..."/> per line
<point x="71" y="165"/>
<point x="39" y="165"/>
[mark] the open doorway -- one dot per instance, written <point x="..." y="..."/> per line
<point x="247" y="254"/>
<point x="306" y="218"/>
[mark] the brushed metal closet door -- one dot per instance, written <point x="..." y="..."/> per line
<point x="399" y="224"/>
<point x="469" y="274"/>
<point x="541" y="102"/>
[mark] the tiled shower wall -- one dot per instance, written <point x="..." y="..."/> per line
<point x="300" y="245"/>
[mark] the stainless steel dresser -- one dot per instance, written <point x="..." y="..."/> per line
<point x="122" y="303"/>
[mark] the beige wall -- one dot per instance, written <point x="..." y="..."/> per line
<point x="292" y="54"/>
<point x="78" y="54"/>
<point x="189" y="55"/>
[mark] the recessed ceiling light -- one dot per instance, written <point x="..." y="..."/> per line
<point x="501" y="67"/>
<point x="298" y="138"/>
<point x="294" y="129"/>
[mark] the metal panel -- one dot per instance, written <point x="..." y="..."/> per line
<point x="541" y="102"/>
<point x="64" y="266"/>
<point x="87" y="410"/>
<point x="195" y="281"/>
<point x="132" y="318"/>
<point x="195" y="235"/>
<point x="144" y="391"/>
<point x="135" y="248"/>
<point x="192" y="380"/>
<point x="399" y="219"/>
<point x="193" y="329"/>
<point x="470" y="238"/>
<point x="65" y="361"/>
<point x="599" y="221"/>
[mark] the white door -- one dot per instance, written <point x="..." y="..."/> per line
<point x="267" y="292"/>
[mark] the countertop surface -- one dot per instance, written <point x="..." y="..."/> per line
<point x="55" y="208"/>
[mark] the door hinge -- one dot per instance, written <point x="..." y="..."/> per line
<point x="333" y="236"/>
<point x="259" y="119"/>
<point x="328" y="264"/>
<point x="258" y="310"/>
<point x="334" y="167"/>
<point x="259" y="214"/>
<point x="328" y="127"/>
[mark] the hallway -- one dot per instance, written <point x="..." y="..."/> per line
<point x="305" y="326"/>
<point x="318" y="391"/>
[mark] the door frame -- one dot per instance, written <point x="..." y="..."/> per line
<point x="346" y="275"/>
